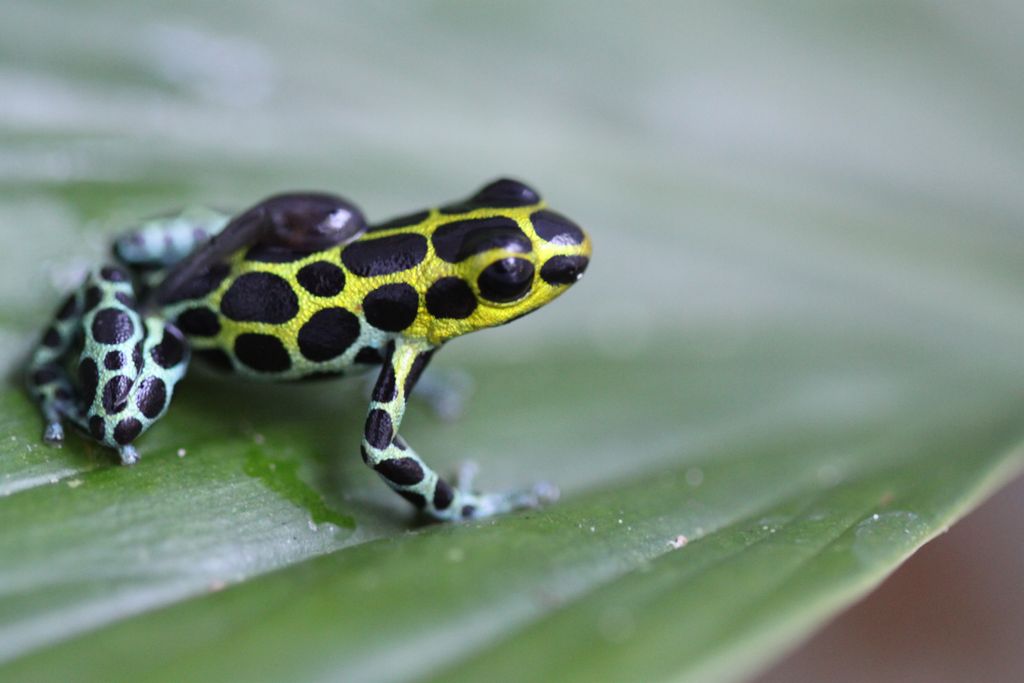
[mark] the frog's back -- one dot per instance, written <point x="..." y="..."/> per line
<point x="274" y="312"/>
<point x="279" y="311"/>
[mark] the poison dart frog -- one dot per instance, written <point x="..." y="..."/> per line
<point x="299" y="286"/>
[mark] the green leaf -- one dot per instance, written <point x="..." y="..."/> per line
<point x="794" y="360"/>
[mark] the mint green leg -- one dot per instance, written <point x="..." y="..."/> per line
<point x="404" y="471"/>
<point x="124" y="374"/>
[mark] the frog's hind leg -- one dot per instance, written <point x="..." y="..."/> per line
<point x="126" y="370"/>
<point x="164" y="241"/>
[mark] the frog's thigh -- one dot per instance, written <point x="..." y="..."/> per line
<point x="128" y="366"/>
<point x="166" y="240"/>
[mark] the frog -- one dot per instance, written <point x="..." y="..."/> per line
<point x="301" y="286"/>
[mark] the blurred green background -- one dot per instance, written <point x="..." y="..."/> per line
<point x="797" y="346"/>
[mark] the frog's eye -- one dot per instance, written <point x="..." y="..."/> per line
<point x="502" y="193"/>
<point x="506" y="192"/>
<point x="506" y="280"/>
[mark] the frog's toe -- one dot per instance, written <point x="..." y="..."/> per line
<point x="541" y="493"/>
<point x="477" y="506"/>
<point x="546" y="492"/>
<point x="446" y="392"/>
<point x="54" y="434"/>
<point x="129" y="456"/>
<point x="466" y="475"/>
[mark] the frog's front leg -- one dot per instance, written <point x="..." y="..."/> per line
<point x="399" y="465"/>
<point x="127" y="368"/>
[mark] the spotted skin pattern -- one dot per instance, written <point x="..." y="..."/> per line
<point x="296" y="287"/>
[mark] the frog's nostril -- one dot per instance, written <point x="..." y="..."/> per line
<point x="563" y="270"/>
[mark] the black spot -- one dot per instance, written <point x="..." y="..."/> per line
<point x="44" y="375"/>
<point x="555" y="228"/>
<point x="391" y="307"/>
<point x="171" y="349"/>
<point x="276" y="253"/>
<point x="63" y="394"/>
<point x="199" y="285"/>
<point x="125" y="298"/>
<point x="378" y="430"/>
<point x="115" y="394"/>
<point x="328" y="334"/>
<point x="112" y="326"/>
<point x="443" y="495"/>
<point x="368" y="356"/>
<point x="88" y="380"/>
<point x="137" y="356"/>
<point x="113" y="274"/>
<point x="459" y="240"/>
<point x="321" y="278"/>
<point x="563" y="270"/>
<point x="113" y="360"/>
<point x="468" y="510"/>
<point x="68" y="308"/>
<point x="93" y="296"/>
<point x="260" y="297"/>
<point x="126" y="430"/>
<point x="215" y="358"/>
<point x="400" y="443"/>
<point x="414" y="498"/>
<point x="384" y="255"/>
<point x="151" y="396"/>
<point x="385" y="389"/>
<point x="51" y="338"/>
<point x="506" y="280"/>
<point x="97" y="428"/>
<point x="401" y="471"/>
<point x="201" y="322"/>
<point x="401" y="221"/>
<point x="416" y="370"/>
<point x="502" y="193"/>
<point x="262" y="352"/>
<point x="450" y="297"/>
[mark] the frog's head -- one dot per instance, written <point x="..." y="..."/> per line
<point x="510" y="256"/>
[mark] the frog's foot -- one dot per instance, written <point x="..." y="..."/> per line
<point x="479" y="505"/>
<point x="129" y="456"/>
<point x="474" y="505"/>
<point x="54" y="434"/>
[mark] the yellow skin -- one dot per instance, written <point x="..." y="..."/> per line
<point x="426" y="330"/>
<point x="297" y="286"/>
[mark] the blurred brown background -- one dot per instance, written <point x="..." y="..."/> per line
<point x="942" y="617"/>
